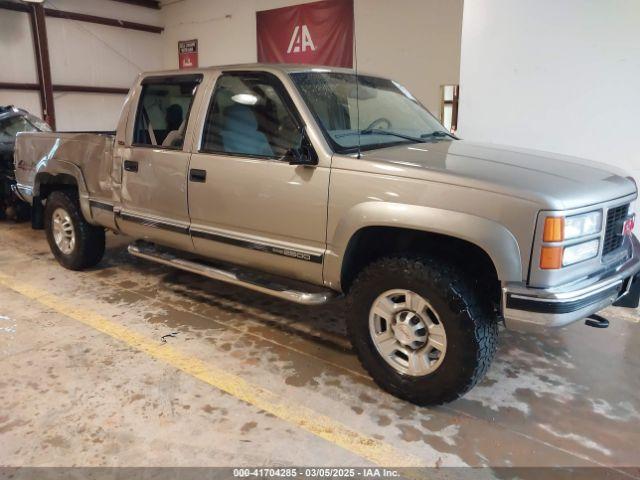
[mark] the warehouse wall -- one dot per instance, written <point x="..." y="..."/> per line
<point x="418" y="44"/>
<point x="556" y="76"/>
<point x="17" y="60"/>
<point x="421" y="50"/>
<point x="80" y="54"/>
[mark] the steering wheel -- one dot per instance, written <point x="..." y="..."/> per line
<point x="381" y="120"/>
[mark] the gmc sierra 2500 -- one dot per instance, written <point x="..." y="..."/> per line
<point x="324" y="183"/>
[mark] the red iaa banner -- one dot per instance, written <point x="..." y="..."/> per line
<point x="318" y="33"/>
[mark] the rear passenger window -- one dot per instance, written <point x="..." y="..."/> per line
<point x="251" y="115"/>
<point x="163" y="111"/>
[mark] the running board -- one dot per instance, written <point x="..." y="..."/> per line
<point x="250" y="281"/>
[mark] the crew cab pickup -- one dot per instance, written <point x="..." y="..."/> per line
<point x="311" y="183"/>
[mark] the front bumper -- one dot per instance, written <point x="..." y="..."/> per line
<point x="533" y="309"/>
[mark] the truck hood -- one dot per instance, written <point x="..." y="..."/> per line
<point x="556" y="182"/>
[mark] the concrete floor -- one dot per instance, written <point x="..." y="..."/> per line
<point x="73" y="395"/>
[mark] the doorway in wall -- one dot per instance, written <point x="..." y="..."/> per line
<point x="450" y="95"/>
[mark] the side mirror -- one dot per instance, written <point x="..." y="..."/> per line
<point x="304" y="154"/>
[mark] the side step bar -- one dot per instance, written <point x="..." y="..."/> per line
<point x="150" y="252"/>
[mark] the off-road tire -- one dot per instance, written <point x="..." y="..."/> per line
<point x="470" y="325"/>
<point x="89" y="239"/>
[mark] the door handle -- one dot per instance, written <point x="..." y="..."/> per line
<point x="130" y="166"/>
<point x="196" y="175"/>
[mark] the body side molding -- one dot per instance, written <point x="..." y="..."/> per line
<point x="216" y="237"/>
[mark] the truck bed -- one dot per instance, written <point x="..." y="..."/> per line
<point x="56" y="153"/>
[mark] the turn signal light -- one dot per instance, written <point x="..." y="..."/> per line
<point x="551" y="258"/>
<point x="553" y="229"/>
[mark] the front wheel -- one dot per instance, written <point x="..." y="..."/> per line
<point x="420" y="329"/>
<point x="74" y="242"/>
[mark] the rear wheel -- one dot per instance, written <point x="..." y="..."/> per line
<point x="75" y="243"/>
<point x="420" y="329"/>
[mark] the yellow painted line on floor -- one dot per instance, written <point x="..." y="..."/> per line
<point x="325" y="427"/>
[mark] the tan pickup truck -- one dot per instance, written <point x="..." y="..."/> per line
<point x="309" y="183"/>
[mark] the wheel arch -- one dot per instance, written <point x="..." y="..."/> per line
<point x="46" y="182"/>
<point x="389" y="228"/>
<point x="62" y="175"/>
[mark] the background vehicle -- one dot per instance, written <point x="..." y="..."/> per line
<point x="13" y="121"/>
<point x="324" y="183"/>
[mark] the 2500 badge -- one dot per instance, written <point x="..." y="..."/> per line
<point x="292" y="253"/>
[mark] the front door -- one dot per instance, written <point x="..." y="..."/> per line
<point x="247" y="204"/>
<point x="155" y="165"/>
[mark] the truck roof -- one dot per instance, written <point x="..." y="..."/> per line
<point x="280" y="67"/>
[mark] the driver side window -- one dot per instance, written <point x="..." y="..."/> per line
<point x="250" y="114"/>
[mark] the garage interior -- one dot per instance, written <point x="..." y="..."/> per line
<point x="135" y="364"/>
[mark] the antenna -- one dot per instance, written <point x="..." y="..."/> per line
<point x="355" y="64"/>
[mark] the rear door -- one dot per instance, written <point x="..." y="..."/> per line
<point x="248" y="205"/>
<point x="156" y="162"/>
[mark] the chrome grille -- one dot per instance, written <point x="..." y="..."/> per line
<point x="612" y="236"/>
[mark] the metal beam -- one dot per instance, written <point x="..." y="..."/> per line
<point x="112" y="22"/>
<point x="64" y="88"/>
<point x="82" y="17"/>
<point x="88" y="89"/>
<point x="16" y="7"/>
<point x="142" y="3"/>
<point x="41" y="48"/>
<point x="19" y="86"/>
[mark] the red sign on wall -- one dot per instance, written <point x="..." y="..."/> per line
<point x="188" y="54"/>
<point x="319" y="33"/>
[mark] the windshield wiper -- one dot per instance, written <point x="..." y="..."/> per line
<point x="438" y="134"/>
<point x="375" y="131"/>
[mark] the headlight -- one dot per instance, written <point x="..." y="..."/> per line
<point x="580" y="252"/>
<point x="559" y="229"/>
<point x="582" y="225"/>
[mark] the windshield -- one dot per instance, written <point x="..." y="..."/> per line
<point x="389" y="114"/>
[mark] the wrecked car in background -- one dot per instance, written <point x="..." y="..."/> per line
<point x="13" y="121"/>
